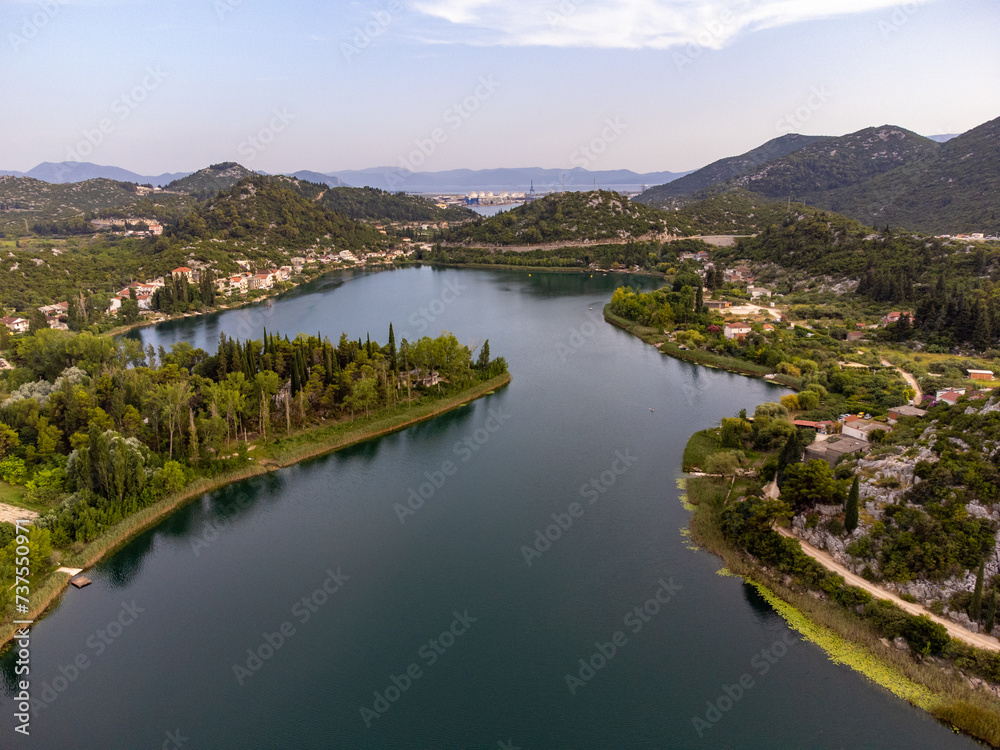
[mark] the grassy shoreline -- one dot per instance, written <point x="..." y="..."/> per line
<point x="657" y="339"/>
<point x="301" y="446"/>
<point x="845" y="637"/>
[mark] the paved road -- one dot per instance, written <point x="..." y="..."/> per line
<point x="955" y="630"/>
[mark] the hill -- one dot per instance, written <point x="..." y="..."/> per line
<point x="737" y="211"/>
<point x="26" y="203"/>
<point x="561" y="217"/>
<point x="724" y="170"/>
<point x="207" y="182"/>
<point x="954" y="192"/>
<point x="371" y="204"/>
<point x="833" y="163"/>
<point x="269" y="211"/>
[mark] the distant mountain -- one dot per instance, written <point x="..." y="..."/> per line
<point x="723" y="170"/>
<point x="76" y="171"/>
<point x="319" y="178"/>
<point x="944" y="137"/>
<point x="395" y="179"/>
<point x="212" y="180"/>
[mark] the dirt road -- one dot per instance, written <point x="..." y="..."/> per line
<point x="917" y="399"/>
<point x="955" y="630"/>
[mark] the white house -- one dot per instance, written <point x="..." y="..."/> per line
<point x="736" y="330"/>
<point x="17" y="325"/>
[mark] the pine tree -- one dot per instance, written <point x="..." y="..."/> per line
<point x="976" y="605"/>
<point x="851" y="511"/>
<point x="484" y="356"/>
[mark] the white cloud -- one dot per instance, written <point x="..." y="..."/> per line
<point x="628" y="24"/>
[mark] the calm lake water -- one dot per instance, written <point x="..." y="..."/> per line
<point x="432" y="620"/>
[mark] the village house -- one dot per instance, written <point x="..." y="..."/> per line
<point x="897" y="412"/>
<point x="713" y="304"/>
<point x="855" y="335"/>
<point x="737" y="331"/>
<point x="16" y="325"/>
<point x="949" y="395"/>
<point x="756" y="292"/>
<point x="183" y="271"/>
<point x="261" y="281"/>
<point x="835" y="448"/>
<point x="823" y="428"/>
<point x="894" y="317"/>
<point x="861" y="429"/>
<point x="981" y="374"/>
<point x="116" y="303"/>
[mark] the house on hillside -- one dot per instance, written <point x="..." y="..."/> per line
<point x="862" y="429"/>
<point x="183" y="271"/>
<point x="981" y="374"/>
<point x="736" y="331"/>
<point x="756" y="292"/>
<point x="897" y="412"/>
<point x="835" y="448"/>
<point x="713" y="304"/>
<point x="17" y="325"/>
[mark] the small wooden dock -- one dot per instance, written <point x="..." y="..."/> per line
<point x="80" y="581"/>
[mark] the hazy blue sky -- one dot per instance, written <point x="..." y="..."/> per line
<point x="326" y="85"/>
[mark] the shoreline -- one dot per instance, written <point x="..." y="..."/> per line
<point x="725" y="364"/>
<point x="51" y="589"/>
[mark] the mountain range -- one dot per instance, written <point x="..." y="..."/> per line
<point x="882" y="175"/>
<point x="392" y="179"/>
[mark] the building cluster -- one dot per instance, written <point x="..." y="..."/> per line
<point x="491" y="199"/>
<point x="122" y="226"/>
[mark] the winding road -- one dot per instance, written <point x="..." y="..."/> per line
<point x="955" y="630"/>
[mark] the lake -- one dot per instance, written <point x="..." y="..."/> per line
<point x="513" y="574"/>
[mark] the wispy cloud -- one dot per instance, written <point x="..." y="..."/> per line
<point x="627" y="24"/>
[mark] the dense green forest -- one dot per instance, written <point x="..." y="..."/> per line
<point x="95" y="429"/>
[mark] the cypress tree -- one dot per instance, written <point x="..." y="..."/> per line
<point x="699" y="300"/>
<point x="991" y="614"/>
<point x="392" y="349"/>
<point x="296" y="384"/>
<point x="328" y="360"/>
<point x="976" y="605"/>
<point x="851" y="512"/>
